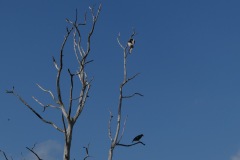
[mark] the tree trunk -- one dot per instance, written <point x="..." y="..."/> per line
<point x="68" y="140"/>
<point x="110" y="154"/>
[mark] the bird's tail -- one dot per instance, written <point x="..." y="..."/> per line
<point x="130" y="50"/>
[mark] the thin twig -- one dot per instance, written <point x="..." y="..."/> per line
<point x="82" y="100"/>
<point x="129" y="145"/>
<point x="34" y="146"/>
<point x="55" y="63"/>
<point x="76" y="44"/>
<point x="88" y="62"/>
<point x="48" y="91"/>
<point x="44" y="106"/>
<point x="4" y="154"/>
<point x="131" y="78"/>
<point x="34" y="153"/>
<point x="120" y="44"/>
<point x="71" y="93"/>
<point x="37" y="114"/>
<point x="95" y="17"/>
<point x="139" y="94"/>
<point x="64" y="126"/>
<point x="60" y="71"/>
<point x="123" y="129"/>
<point x="109" y="126"/>
<point x="87" y="152"/>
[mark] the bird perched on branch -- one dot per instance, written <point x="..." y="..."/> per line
<point x="131" y="43"/>
<point x="137" y="138"/>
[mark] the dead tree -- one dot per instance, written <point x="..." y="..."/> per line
<point x="66" y="109"/>
<point x="115" y="140"/>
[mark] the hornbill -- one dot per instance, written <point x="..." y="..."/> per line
<point x="131" y="43"/>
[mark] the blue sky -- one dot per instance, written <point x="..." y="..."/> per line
<point x="186" y="51"/>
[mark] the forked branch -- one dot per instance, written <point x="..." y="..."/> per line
<point x="48" y="91"/>
<point x="35" y="112"/>
<point x="87" y="152"/>
<point x="31" y="150"/>
<point x="44" y="106"/>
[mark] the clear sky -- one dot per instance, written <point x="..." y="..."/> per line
<point x="187" y="52"/>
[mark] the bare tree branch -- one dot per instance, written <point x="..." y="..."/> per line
<point x="133" y="33"/>
<point x="64" y="126"/>
<point x="129" y="145"/>
<point x="75" y="98"/>
<point x="88" y="62"/>
<point x="44" y="106"/>
<point x="48" y="91"/>
<point x="55" y="63"/>
<point x="82" y="100"/>
<point x="124" y="125"/>
<point x="120" y="44"/>
<point x="87" y="152"/>
<point x="71" y="93"/>
<point x="31" y="150"/>
<point x="139" y="94"/>
<point x="129" y="79"/>
<point x="60" y="72"/>
<point x="81" y="57"/>
<point x="34" y="145"/>
<point x="77" y="35"/>
<point x="35" y="112"/>
<point x="95" y="17"/>
<point x="4" y="154"/>
<point x="76" y="46"/>
<point x="109" y="126"/>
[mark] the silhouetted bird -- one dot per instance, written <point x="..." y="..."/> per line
<point x="131" y="43"/>
<point x="137" y="138"/>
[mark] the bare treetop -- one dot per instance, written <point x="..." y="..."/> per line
<point x="68" y="117"/>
